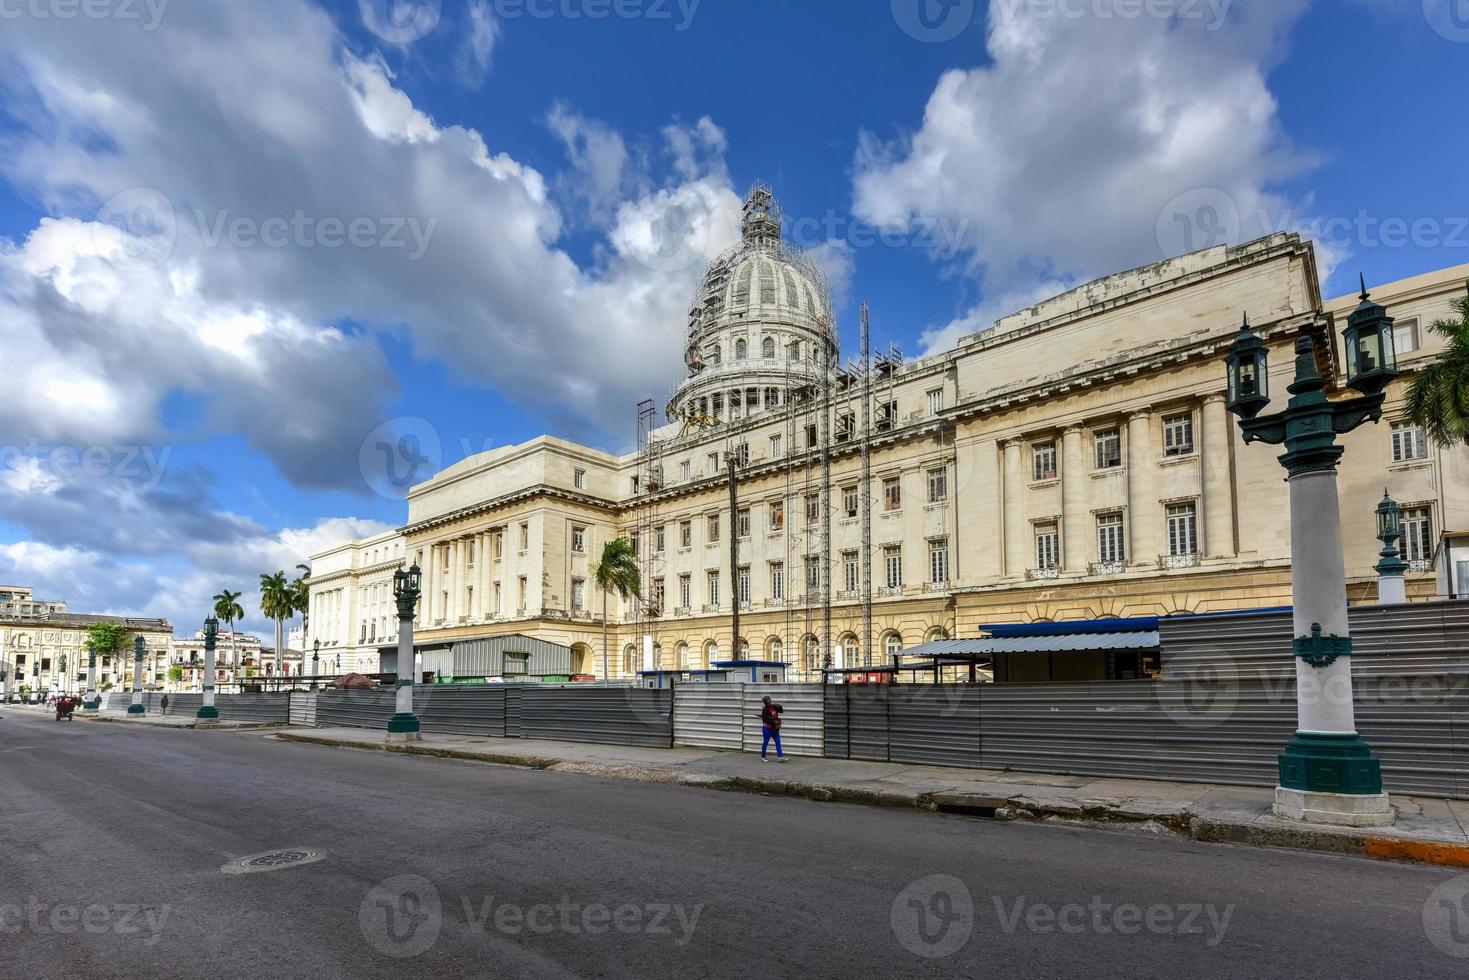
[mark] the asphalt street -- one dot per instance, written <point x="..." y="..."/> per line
<point x="114" y="845"/>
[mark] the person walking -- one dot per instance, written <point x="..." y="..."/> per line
<point x="163" y="703"/>
<point x="770" y="712"/>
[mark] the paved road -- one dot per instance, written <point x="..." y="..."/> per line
<point x="112" y="842"/>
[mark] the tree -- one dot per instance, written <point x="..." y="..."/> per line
<point x="227" y="607"/>
<point x="176" y="673"/>
<point x="616" y="572"/>
<point x="276" y="603"/>
<point x="300" y="594"/>
<point x="1438" y="395"/>
<point x="108" y="640"/>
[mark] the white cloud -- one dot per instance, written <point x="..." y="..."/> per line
<point x="1063" y="155"/>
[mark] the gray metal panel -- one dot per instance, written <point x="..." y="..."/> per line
<point x="485" y="657"/>
<point x="303" y="708"/>
<point x="270" y="707"/>
<point x="353" y="708"/>
<point x="934" y="724"/>
<point x="708" y="716"/>
<point x="867" y="713"/>
<point x="609" y="715"/>
<point x="834" y="721"/>
<point x="471" y="709"/>
<point x="182" y="704"/>
<point x="800" y="722"/>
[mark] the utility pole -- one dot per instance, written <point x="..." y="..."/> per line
<point x="731" y="460"/>
<point x="866" y="492"/>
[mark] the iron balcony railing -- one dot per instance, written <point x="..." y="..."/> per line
<point x="1191" y="560"/>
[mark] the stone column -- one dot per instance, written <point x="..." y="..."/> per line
<point x="1074" y="476"/>
<point x="485" y="563"/>
<point x="434" y="583"/>
<point x="1217" y="480"/>
<point x="208" y="713"/>
<point x="136" y="708"/>
<point x="92" y="700"/>
<point x="1143" y="518"/>
<point x="1013" y="481"/>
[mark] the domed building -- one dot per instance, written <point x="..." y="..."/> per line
<point x="761" y="324"/>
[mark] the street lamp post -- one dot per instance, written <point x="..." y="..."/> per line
<point x="208" y="714"/>
<point x="136" y="708"/>
<point x="1327" y="772"/>
<point x="403" y="726"/>
<point x="1392" y="589"/>
<point x="93" y="700"/>
<point x="315" y="664"/>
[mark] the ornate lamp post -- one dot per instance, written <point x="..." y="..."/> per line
<point x="65" y="677"/>
<point x="93" y="700"/>
<point x="1327" y="772"/>
<point x="315" y="663"/>
<point x="136" y="708"/>
<point x="403" y="726"/>
<point x="4" y="682"/>
<point x="208" y="714"/>
<point x="1392" y="590"/>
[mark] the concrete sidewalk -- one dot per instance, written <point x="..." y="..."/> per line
<point x="179" y="720"/>
<point x="1428" y="829"/>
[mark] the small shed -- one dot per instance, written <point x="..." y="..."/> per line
<point x="512" y="657"/>
<point x="750" y="671"/>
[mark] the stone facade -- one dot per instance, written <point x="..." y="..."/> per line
<point x="34" y="650"/>
<point x="1075" y="461"/>
<point x="352" y="609"/>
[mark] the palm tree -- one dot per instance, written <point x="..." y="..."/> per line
<point x="227" y="607"/>
<point x="1438" y="395"/>
<point x="300" y="593"/>
<point x="616" y="572"/>
<point x="276" y="603"/>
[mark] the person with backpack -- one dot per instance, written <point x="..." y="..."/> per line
<point x="770" y="712"/>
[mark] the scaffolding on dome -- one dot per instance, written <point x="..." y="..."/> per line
<point x="648" y="483"/>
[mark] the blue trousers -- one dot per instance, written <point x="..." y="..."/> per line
<point x="766" y="734"/>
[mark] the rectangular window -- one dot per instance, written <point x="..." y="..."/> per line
<point x="777" y="581"/>
<point x="524" y="536"/>
<point x="741" y="455"/>
<point x="499" y="545"/>
<point x="892" y="563"/>
<point x="813" y="508"/>
<point x="713" y="527"/>
<point x="775" y="447"/>
<point x="578" y="594"/>
<point x="892" y="494"/>
<point x="938" y="561"/>
<point x="579" y="479"/>
<point x="849" y="501"/>
<point x="1405" y="335"/>
<point x="935" y="401"/>
<point x="497" y="598"/>
<point x="1109" y="539"/>
<point x="810" y="437"/>
<point x="1183" y="530"/>
<point x="813" y="575"/>
<point x="1178" y="434"/>
<point x="742" y="522"/>
<point x="713" y="463"/>
<point x="846" y="427"/>
<point x="938" y="486"/>
<point x="778" y="515"/>
<point x="517" y="664"/>
<point x="1047" y="547"/>
<point x="1043" y="461"/>
<point x="1417" y="534"/>
<point x="1408" y="443"/>
<point x="660" y="595"/>
<point x="685" y="591"/>
<point x="712" y="588"/>
<point x="686" y="534"/>
<point x="685" y="471"/>
<point x="579" y="540"/>
<point x="744" y="584"/>
<point x="522" y="593"/>
<point x="1108" y="444"/>
<point x="660" y="538"/>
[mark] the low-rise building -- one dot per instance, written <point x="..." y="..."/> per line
<point x="234" y="653"/>
<point x="49" y="653"/>
<point x="352" y="607"/>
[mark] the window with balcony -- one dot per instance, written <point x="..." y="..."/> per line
<point x="744" y="584"/>
<point x="813" y="508"/>
<point x="1047" y="547"/>
<point x="767" y="347"/>
<point x="711" y="590"/>
<point x="777" y="515"/>
<point x="813" y="575"/>
<point x="850" y="499"/>
<point x="851" y="572"/>
<point x="578" y="594"/>
<point x="938" y="561"/>
<point x="579" y="540"/>
<point x="685" y="591"/>
<point x="892" y="563"/>
<point x="742" y="522"/>
<point x="1110" y="546"/>
<point x="777" y="581"/>
<point x="1183" y="530"/>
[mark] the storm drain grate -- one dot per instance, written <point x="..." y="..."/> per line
<point x="277" y="860"/>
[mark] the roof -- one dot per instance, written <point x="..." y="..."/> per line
<point x="1130" y="624"/>
<point x="75" y="620"/>
<point x="1055" y="643"/>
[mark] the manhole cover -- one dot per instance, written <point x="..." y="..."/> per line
<point x="284" y="857"/>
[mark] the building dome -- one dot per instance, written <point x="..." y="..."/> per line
<point x="761" y="325"/>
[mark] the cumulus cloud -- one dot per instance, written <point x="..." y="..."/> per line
<point x="1086" y="145"/>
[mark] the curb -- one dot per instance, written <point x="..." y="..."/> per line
<point x="1001" y="808"/>
<point x="245" y="727"/>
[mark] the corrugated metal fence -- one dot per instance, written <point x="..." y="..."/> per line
<point x="727" y="716"/>
<point x="232" y="707"/>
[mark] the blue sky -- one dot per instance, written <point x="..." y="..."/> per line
<point x="231" y="388"/>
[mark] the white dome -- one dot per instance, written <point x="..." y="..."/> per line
<point x="762" y="313"/>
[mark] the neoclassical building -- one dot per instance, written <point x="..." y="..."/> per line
<point x="1073" y="461"/>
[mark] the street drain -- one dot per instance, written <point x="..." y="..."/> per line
<point x="277" y="860"/>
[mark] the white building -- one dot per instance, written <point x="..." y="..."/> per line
<point x="352" y="608"/>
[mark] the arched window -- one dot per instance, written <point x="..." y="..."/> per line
<point x="774" y="649"/>
<point x="893" y="645"/>
<point x="812" y="655"/>
<point x="936" y="634"/>
<point x="767" y="347"/>
<point x="711" y="653"/>
<point x="851" y="651"/>
<point x="682" y="652"/>
<point x="715" y="355"/>
<point x="629" y="660"/>
<point x="744" y="649"/>
<point x="740" y="349"/>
